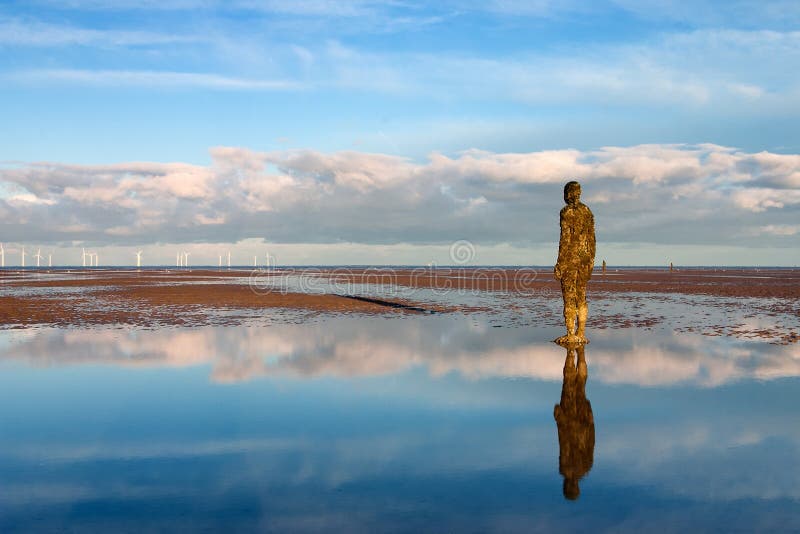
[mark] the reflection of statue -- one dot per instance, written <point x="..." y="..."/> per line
<point x="575" y="424"/>
<point x="576" y="249"/>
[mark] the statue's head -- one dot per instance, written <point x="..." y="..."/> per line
<point x="572" y="193"/>
<point x="571" y="489"/>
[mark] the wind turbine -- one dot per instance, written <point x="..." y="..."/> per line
<point x="3" y="256"/>
<point x="50" y="260"/>
<point x="229" y="259"/>
<point x="186" y="259"/>
<point x="255" y="261"/>
<point x="38" y="257"/>
<point x="139" y="259"/>
<point x="83" y="256"/>
<point x="96" y="259"/>
<point x="23" y="256"/>
<point x="220" y="260"/>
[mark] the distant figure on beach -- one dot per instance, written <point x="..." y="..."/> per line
<point x="576" y="249"/>
<point x="604" y="266"/>
<point x="671" y="268"/>
<point x="575" y="423"/>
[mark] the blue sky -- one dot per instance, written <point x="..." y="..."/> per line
<point x="308" y="93"/>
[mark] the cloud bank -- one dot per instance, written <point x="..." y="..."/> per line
<point x="663" y="194"/>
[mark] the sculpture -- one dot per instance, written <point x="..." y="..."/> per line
<point x="575" y="422"/>
<point x="576" y="249"/>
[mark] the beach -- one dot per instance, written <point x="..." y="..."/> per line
<point x="621" y="298"/>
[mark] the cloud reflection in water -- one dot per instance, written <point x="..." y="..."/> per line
<point x="349" y="347"/>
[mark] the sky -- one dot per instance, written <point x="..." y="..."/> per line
<point x="368" y="132"/>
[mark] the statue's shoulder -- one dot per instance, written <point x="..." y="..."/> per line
<point x="584" y="209"/>
<point x="580" y="211"/>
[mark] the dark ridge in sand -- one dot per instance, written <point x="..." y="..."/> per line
<point x="388" y="303"/>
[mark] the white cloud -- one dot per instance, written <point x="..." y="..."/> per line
<point x="19" y="32"/>
<point x="349" y="8"/>
<point x="26" y="198"/>
<point x="145" y="78"/>
<point x="703" y="69"/>
<point x="716" y="70"/>
<point x="126" y="4"/>
<point x="780" y="229"/>
<point x="747" y="90"/>
<point x="550" y="166"/>
<point x="708" y="13"/>
<point x="758" y="200"/>
<point x="647" y="193"/>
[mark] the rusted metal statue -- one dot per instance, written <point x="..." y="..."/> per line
<point x="575" y="423"/>
<point x="576" y="249"/>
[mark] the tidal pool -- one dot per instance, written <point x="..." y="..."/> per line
<point x="389" y="424"/>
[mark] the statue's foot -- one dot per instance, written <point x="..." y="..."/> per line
<point x="567" y="340"/>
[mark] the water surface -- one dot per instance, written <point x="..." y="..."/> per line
<point x="376" y="424"/>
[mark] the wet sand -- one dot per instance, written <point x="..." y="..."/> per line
<point x="160" y="298"/>
<point x="772" y="283"/>
<point x="151" y="298"/>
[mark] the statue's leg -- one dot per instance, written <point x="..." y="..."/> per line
<point x="570" y="314"/>
<point x="569" y="363"/>
<point x="583" y="311"/>
<point x="568" y="281"/>
<point x="581" y="364"/>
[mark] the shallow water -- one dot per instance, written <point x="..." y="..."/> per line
<point x="413" y="423"/>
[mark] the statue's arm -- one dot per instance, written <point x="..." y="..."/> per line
<point x="592" y="242"/>
<point x="561" y="246"/>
